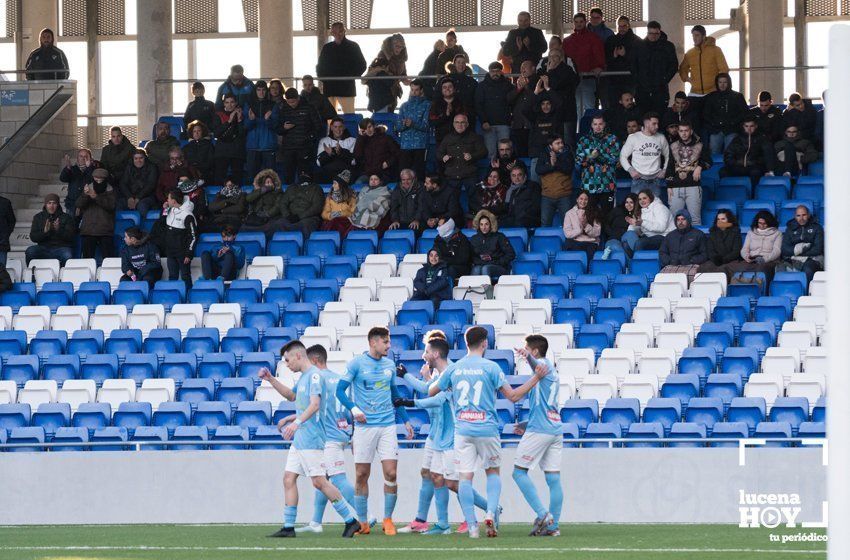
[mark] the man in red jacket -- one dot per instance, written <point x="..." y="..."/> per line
<point x="587" y="51"/>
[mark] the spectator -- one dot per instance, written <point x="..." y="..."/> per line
<point x="794" y="153"/>
<point x="680" y="112"/>
<point x="801" y="113"/>
<point x="561" y="79"/>
<point x="701" y="65"/>
<point x="433" y="282"/>
<point x="444" y="109"/>
<point x="391" y="61"/>
<point x="762" y="248"/>
<point x="803" y="243"/>
<point x="339" y="204"/>
<point x="5" y="280"/>
<point x="519" y="99"/>
<point x="438" y="204"/>
<point x="583" y="226"/>
<point x="556" y="43"/>
<point x="492" y="107"/>
<point x="139" y="258"/>
<point x="53" y="231"/>
<point x="301" y="207"/>
<point x="623" y="218"/>
<point x="373" y="205"/>
<point x="459" y="153"/>
<point x="489" y="195"/>
<point x="199" y="109"/>
<point x="96" y="208"/>
<point x="454" y="249"/>
<point x="336" y="151"/>
<point x="449" y="53"/>
<point x="688" y="159"/>
<point x="160" y="147"/>
<point x="505" y="159"/>
<point x="655" y="65"/>
<point x="749" y="154"/>
<point x="181" y="235"/>
<point x="230" y="135"/>
<point x="47" y="62"/>
<point x="260" y="138"/>
<point x="193" y="190"/>
<point x="547" y="121"/>
<point x="722" y="113"/>
<point x="116" y="155"/>
<point x="300" y="126"/>
<point x="587" y="50"/>
<point x="7" y="225"/>
<point x="429" y="68"/>
<point x="225" y="260"/>
<point x="316" y="98"/>
<point x="170" y="176"/>
<point x="404" y="202"/>
<point x="228" y="208"/>
<point x="415" y="129"/>
<point x="654" y="223"/>
<point x="465" y="84"/>
<point x="340" y="57"/>
<point x="138" y="184"/>
<point x="684" y="246"/>
<point x="276" y="91"/>
<point x="555" y="169"/>
<point x="724" y="242"/>
<point x="597" y="155"/>
<point x="649" y="153"/>
<point x="375" y="151"/>
<point x="199" y="151"/>
<point x="620" y="52"/>
<point x="768" y="117"/>
<point x="77" y="176"/>
<point x="597" y="24"/>
<point x="617" y="116"/>
<point x="263" y="201"/>
<point x="237" y="85"/>
<point x="492" y="253"/>
<point x="523" y="201"/>
<point x="525" y="43"/>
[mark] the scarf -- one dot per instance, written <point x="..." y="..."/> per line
<point x="100" y="188"/>
<point x="336" y="196"/>
<point x="231" y="192"/>
<point x="511" y="191"/>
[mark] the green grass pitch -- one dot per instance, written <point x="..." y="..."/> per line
<point x="578" y="541"/>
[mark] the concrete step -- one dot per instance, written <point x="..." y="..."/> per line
<point x="25" y="215"/>
<point x="20" y="238"/>
<point x="58" y="188"/>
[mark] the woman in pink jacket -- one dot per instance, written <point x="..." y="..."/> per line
<point x="762" y="247"/>
<point x="583" y="226"/>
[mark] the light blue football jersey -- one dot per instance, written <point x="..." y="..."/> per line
<point x="372" y="384"/>
<point x="336" y="419"/>
<point x="543" y="401"/>
<point x="441" y="437"/>
<point x="311" y="434"/>
<point x="474" y="382"/>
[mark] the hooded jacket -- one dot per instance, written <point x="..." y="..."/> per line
<point x="724" y="245"/>
<point x="138" y="182"/>
<point x="97" y="214"/>
<point x="433" y="281"/>
<point x="556" y="181"/>
<point x="47" y="58"/>
<point x="683" y="246"/>
<point x="7" y="222"/>
<point x="200" y="154"/>
<point x="523" y="205"/>
<point x="494" y="243"/>
<point x="701" y="65"/>
<point x="441" y="204"/>
<point x="260" y="133"/>
<point x="654" y="65"/>
<point x="415" y="136"/>
<point x="307" y="130"/>
<point x="656" y="219"/>
<point x="598" y="174"/>
<point x="242" y="91"/>
<point x="142" y="259"/>
<point x="723" y="111"/>
<point x="684" y="159"/>
<point x="404" y="204"/>
<point x="301" y="201"/>
<point x="491" y="101"/>
<point x="200" y="109"/>
<point x="265" y="204"/>
<point x="456" y="252"/>
<point x="765" y="243"/>
<point x="456" y="145"/>
<point x="63" y="236"/>
<point x="544" y="126"/>
<point x="181" y="231"/>
<point x="116" y="159"/>
<point x="769" y="123"/>
<point x="228" y="210"/>
<point x="811" y="234"/>
<point x="371" y="152"/>
<point x="749" y="151"/>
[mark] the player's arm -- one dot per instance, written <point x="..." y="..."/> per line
<point x="432" y="402"/>
<point x="312" y="408"/>
<point x="416" y="384"/>
<point x="401" y="413"/>
<point x="443" y="383"/>
<point x="285" y="392"/>
<point x="516" y="395"/>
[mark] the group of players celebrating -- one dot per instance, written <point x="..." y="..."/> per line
<point x="464" y="433"/>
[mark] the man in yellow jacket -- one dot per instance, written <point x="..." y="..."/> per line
<point x="700" y="66"/>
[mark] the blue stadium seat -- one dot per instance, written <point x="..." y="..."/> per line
<point x="794" y="410"/>
<point x="706" y="411"/>
<point x="234" y="390"/>
<point x="300" y="316"/>
<point x="54" y="294"/>
<point x="456" y="313"/>
<point x="360" y="244"/>
<point x="139" y="367"/>
<point x="790" y="284"/>
<point x="99" y="367"/>
<point x="684" y="431"/>
<point x="85" y="342"/>
<point x="613" y="311"/>
<point x="646" y="263"/>
<point x="51" y="416"/>
<point x="284" y="409"/>
<point x="20" y="369"/>
<point x="282" y="292"/>
<point x="187" y="434"/>
<point x="518" y="238"/>
<point x="651" y="430"/>
<point x="581" y="412"/>
<point x="812" y="430"/>
<point x="610" y="268"/>
<point x="734" y="189"/>
<point x="591" y="286"/>
<point x="446" y="328"/>
<point x="217" y="366"/>
<point x="91" y="416"/>
<point x="254" y="243"/>
<point x="252" y="414"/>
<point x="602" y="430"/>
<point x="504" y="358"/>
<point x="240" y="341"/>
<point x="760" y="336"/>
<point x="131" y="415"/>
<point x="748" y="411"/>
<point x="162" y="342"/>
<point x="743" y="361"/>
<point x="320" y="292"/>
<point x="110" y="434"/>
<point x="131" y="293"/>
<point x="551" y="287"/>
<point x="61" y="367"/>
<point x="575" y="312"/>
<point x="733" y="310"/>
<point x="774" y="430"/>
<point x="168" y="293"/>
<point x="549" y="244"/>
<point x="788" y="208"/>
<point x="276" y="337"/>
<point x="773" y="309"/>
<point x="12" y="343"/>
<point x="683" y="386"/>
<point x="809" y="191"/>
<point x="19" y="295"/>
<point x="207" y="292"/>
<point x="340" y="268"/>
<point x="701" y="361"/>
<point x="303" y="268"/>
<point x="322" y="244"/>
<point x="716" y="336"/>
<point x="752" y="208"/>
<point x="532" y="265"/>
<point x="212" y="414"/>
<point x="404" y="338"/>
<point x="595" y="337"/>
<point x="253" y="362"/>
<point x="196" y="390"/>
<point x="179" y="367"/>
<point x="229" y="437"/>
<point x="398" y="242"/>
<point x="623" y="412"/>
<point x="725" y="386"/>
<point x="92" y="294"/>
<point x="727" y="434"/>
<point x="244" y="292"/>
<point x="171" y="415"/>
<point x="631" y="286"/>
<point x="14" y="415"/>
<point x="416" y="314"/>
<point x="570" y="264"/>
<point x="48" y="343"/>
<point x="665" y="411"/>
<point x="261" y="316"/>
<point x="771" y="191"/>
<point x="267" y="437"/>
<point x="426" y="240"/>
<point x="286" y="244"/>
<point x="200" y="341"/>
<point x="744" y="284"/>
<point x="65" y="438"/>
<point x="123" y="342"/>
<point x="819" y="411"/>
<point x="25" y="435"/>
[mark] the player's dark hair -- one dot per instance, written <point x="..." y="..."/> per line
<point x="317" y="352"/>
<point x="537" y="342"/>
<point x="378" y="332"/>
<point x="475" y="336"/>
<point x="440" y="346"/>
<point x="293" y="345"/>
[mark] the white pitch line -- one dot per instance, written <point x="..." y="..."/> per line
<point x="411" y="549"/>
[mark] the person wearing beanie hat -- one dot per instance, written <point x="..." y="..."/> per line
<point x="7" y="224"/>
<point x="454" y="249"/>
<point x="96" y="207"/>
<point x="339" y="204"/>
<point x="261" y="140"/>
<point x="684" y="246"/>
<point x="53" y="231"/>
<point x="433" y="281"/>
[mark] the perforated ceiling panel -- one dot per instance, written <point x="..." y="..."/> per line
<point x="11" y="18"/>
<point x="612" y="9"/>
<point x="73" y="18"/>
<point x="419" y="13"/>
<point x="845" y="7"/>
<point x="361" y="12"/>
<point x="449" y="13"/>
<point x="195" y="16"/>
<point x="250" y="11"/>
<point x="110" y="17"/>
<point x="821" y="7"/>
<point x="541" y="13"/>
<point x="491" y="12"/>
<point x="699" y="9"/>
<point x="336" y="11"/>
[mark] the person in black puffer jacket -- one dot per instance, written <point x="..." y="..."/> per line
<point x="724" y="242"/>
<point x="523" y="199"/>
<point x="404" y="203"/>
<point x="492" y="253"/>
<point x="723" y="112"/>
<point x="684" y="245"/>
<point x="230" y="141"/>
<point x="654" y="65"/>
<point x="199" y="152"/>
<point x="750" y="154"/>
<point x="137" y="185"/>
<point x="139" y="258"/>
<point x="199" y="109"/>
<point x="300" y="126"/>
<point x="803" y="243"/>
<point x="454" y="249"/>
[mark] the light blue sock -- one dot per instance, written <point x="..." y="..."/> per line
<point x="341" y="507"/>
<point x="494" y="490"/>
<point x="529" y="492"/>
<point x="464" y="496"/>
<point x="344" y="486"/>
<point x="479" y="500"/>
<point x="389" y="504"/>
<point x="289" y="513"/>
<point x="426" y="492"/>
<point x="556" y="495"/>
<point x="319" y="503"/>
<point x="361" y="505"/>
<point x="441" y="496"/>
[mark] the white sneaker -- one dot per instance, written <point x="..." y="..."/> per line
<point x="473" y="531"/>
<point x="311" y="527"/>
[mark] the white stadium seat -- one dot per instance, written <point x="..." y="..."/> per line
<point x="811" y="309"/>
<point x="37" y="391"/>
<point x="77" y="391"/>
<point x="338" y="360"/>
<point x="513" y="288"/>
<point x="110" y="271"/>
<point x="8" y="392"/>
<point x="395" y="291"/>
<point x="659" y="362"/>
<point x="496" y="312"/>
<point x="358" y="290"/>
<point x="616" y="361"/>
<point x="599" y="387"/>
<point x="769" y="386"/>
<point x="817" y="287"/>
<point x="676" y="336"/>
<point x="156" y="392"/>
<point x="816" y="360"/>
<point x="641" y="386"/>
<point x="354" y="340"/>
<point x="223" y="316"/>
<point x="410" y="265"/>
<point x="671" y="286"/>
<point x="326" y="336"/>
<point x="635" y="336"/>
<point x="6" y="317"/>
<point x="378" y="266"/>
<point x="338" y="314"/>
<point x="472" y="288"/>
<point x="577" y="363"/>
<point x="265" y="269"/>
<point x="31" y="319"/>
<point x="559" y="336"/>
<point x="379" y="312"/>
<point x="117" y="391"/>
<point x="534" y="312"/>
<point x="784" y="361"/>
<point x="797" y="334"/>
<point x="41" y="271"/>
<point x="693" y="311"/>
<point x="809" y="385"/>
<point x="265" y="392"/>
<point x="108" y="318"/>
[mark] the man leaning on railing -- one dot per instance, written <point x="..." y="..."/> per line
<point x="46" y="58"/>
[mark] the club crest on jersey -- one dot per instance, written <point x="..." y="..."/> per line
<point x="471" y="415"/>
<point x="388" y="372"/>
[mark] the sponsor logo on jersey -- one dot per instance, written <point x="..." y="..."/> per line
<point x="553" y="415"/>
<point x="471" y="415"/>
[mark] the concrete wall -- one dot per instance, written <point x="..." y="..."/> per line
<point x="601" y="485"/>
<point x="43" y="157"/>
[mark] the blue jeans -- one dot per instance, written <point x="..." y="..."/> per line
<point x="532" y="173"/>
<point x="550" y="207"/>
<point x="653" y="185"/>
<point x="43" y="252"/>
<point x="627" y="243"/>
<point x="719" y="142"/>
<point x="491" y="138"/>
<point x="214" y="266"/>
<point x="491" y="270"/>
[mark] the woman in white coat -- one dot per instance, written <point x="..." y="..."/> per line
<point x="649" y="230"/>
